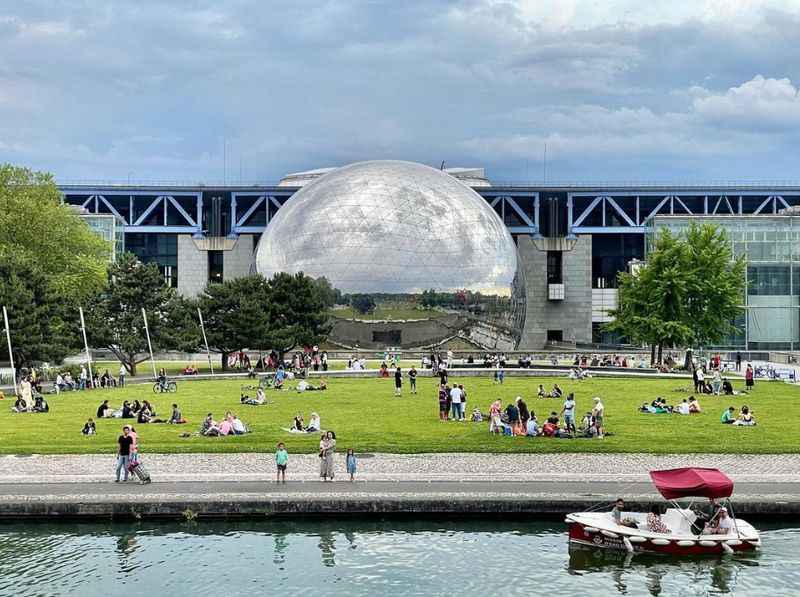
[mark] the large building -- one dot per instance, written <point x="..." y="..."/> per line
<point x="572" y="240"/>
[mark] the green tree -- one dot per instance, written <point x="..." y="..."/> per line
<point x="114" y="319"/>
<point x="297" y="316"/>
<point x="43" y="326"/>
<point x="329" y="295"/>
<point x="35" y="225"/>
<point x="362" y="303"/>
<point x="236" y="314"/>
<point x="665" y="302"/>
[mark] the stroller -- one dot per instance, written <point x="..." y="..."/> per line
<point x="137" y="468"/>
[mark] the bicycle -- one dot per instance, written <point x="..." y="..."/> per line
<point x="166" y="387"/>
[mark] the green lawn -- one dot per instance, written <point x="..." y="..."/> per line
<point x="366" y="416"/>
<point x="393" y="312"/>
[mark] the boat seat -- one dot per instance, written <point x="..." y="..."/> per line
<point x="677" y="522"/>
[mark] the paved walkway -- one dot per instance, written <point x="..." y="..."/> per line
<point x="620" y="469"/>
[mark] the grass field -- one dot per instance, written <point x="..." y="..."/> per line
<point x="365" y="415"/>
<point x="394" y="312"/>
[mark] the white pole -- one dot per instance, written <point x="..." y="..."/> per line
<point x="203" y="328"/>
<point x="86" y="345"/>
<point x="10" y="354"/>
<point x="149" y="345"/>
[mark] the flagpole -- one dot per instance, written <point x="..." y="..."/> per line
<point x="10" y="353"/>
<point x="149" y="345"/>
<point x="203" y="328"/>
<point x="86" y="346"/>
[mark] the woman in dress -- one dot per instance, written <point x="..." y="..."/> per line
<point x="327" y="447"/>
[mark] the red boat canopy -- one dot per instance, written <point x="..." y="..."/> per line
<point x="692" y="482"/>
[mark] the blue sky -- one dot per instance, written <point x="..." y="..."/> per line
<point x="618" y="89"/>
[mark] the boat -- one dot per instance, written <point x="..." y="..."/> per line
<point x="600" y="530"/>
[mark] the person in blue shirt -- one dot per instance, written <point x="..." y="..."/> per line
<point x="351" y="463"/>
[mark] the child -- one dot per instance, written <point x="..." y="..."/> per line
<point x="281" y="459"/>
<point x="351" y="463"/>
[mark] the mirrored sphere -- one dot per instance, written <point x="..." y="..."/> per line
<point x="420" y="259"/>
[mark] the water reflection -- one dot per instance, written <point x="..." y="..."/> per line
<point x="364" y="558"/>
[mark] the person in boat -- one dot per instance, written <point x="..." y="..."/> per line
<point x="723" y="525"/>
<point x="706" y="516"/>
<point x="654" y="522"/>
<point x="728" y="417"/>
<point x="616" y="514"/>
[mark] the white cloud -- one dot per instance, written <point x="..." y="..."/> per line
<point x="760" y="102"/>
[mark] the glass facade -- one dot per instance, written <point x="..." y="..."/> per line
<point x="771" y="245"/>
<point x="109" y="228"/>
<point x="157" y="248"/>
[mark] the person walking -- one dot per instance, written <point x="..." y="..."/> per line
<point x="281" y="460"/>
<point x="398" y="382"/>
<point x="738" y="361"/>
<point x="122" y="373"/>
<point x="124" y="448"/>
<point x="412" y="379"/>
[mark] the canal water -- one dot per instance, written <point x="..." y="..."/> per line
<point x="352" y="558"/>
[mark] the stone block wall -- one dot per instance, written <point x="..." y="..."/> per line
<point x="192" y="267"/>
<point x="573" y="314"/>
<point x="236" y="262"/>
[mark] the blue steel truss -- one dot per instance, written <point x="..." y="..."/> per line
<point x="629" y="211"/>
<point x="626" y="210"/>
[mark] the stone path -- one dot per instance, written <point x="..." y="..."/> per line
<point x="617" y="468"/>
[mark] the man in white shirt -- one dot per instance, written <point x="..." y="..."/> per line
<point x="455" y="401"/>
<point x="122" y="373"/>
<point x="82" y="378"/>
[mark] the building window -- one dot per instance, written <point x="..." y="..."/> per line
<point x="555" y="335"/>
<point x="215" y="267"/>
<point x="156" y="248"/>
<point x="554" y="263"/>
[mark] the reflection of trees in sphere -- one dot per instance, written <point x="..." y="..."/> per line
<point x="395" y="230"/>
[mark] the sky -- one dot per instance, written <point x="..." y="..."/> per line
<point x="249" y="90"/>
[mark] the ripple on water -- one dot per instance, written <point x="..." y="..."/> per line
<point x="351" y="558"/>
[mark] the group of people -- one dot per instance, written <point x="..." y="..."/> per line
<point x="64" y="381"/>
<point x="231" y="424"/>
<point x="452" y="402"/>
<point x="713" y="519"/>
<point x="556" y="392"/>
<point x="518" y="420"/>
<point x="299" y="424"/>
<point x="398" y="379"/>
<point x="717" y="385"/>
<point x="744" y="418"/>
<point x="687" y="406"/>
<point x="327" y="450"/>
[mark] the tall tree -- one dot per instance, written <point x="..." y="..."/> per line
<point x="43" y="326"/>
<point x="236" y="315"/>
<point x="35" y="225"/>
<point x="666" y="302"/>
<point x="114" y="319"/>
<point x="297" y="315"/>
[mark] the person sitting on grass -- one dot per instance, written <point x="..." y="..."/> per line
<point x="40" y="405"/>
<point x="557" y="392"/>
<point x="136" y="406"/>
<point x="532" y="429"/>
<point x="89" y="428"/>
<point x="727" y="387"/>
<point x="683" y="407"/>
<point x="147" y="416"/>
<point x="209" y="427"/>
<point x="550" y="428"/>
<point x="541" y="393"/>
<point x="104" y="411"/>
<point x="694" y="405"/>
<point x="728" y="416"/>
<point x="19" y="406"/>
<point x="314" y="425"/>
<point x="127" y="411"/>
<point x="298" y="424"/>
<point x="280" y="378"/>
<point x="589" y="426"/>
<point x="238" y="427"/>
<point x="176" y="418"/>
<point x="745" y="417"/>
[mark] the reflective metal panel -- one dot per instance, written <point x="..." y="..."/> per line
<point x="420" y="243"/>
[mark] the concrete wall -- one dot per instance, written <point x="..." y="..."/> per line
<point x="573" y="314"/>
<point x="236" y="262"/>
<point x="192" y="267"/>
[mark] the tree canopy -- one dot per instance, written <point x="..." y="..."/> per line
<point x="114" y="319"/>
<point x="35" y="225"/>
<point x="689" y="291"/>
